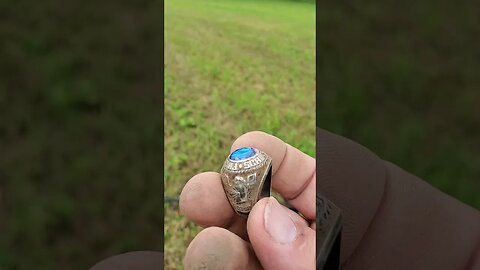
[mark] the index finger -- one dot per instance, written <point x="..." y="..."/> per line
<point x="293" y="172"/>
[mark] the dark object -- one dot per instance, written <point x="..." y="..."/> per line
<point x="171" y="200"/>
<point x="329" y="228"/>
<point x="266" y="190"/>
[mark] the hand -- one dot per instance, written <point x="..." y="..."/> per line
<point x="273" y="236"/>
<point x="392" y="219"/>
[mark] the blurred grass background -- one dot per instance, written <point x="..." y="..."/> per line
<point x="231" y="66"/>
<point x="80" y="131"/>
<point x="403" y="78"/>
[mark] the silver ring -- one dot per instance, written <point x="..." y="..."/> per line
<point x="329" y="231"/>
<point x="246" y="178"/>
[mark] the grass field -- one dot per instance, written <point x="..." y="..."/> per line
<point x="230" y="67"/>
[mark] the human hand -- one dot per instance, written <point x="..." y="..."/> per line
<point x="273" y="237"/>
<point x="392" y="219"/>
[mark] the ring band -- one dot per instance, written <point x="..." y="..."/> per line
<point x="329" y="228"/>
<point x="246" y="178"/>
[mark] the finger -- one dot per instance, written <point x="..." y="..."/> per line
<point x="390" y="215"/>
<point x="417" y="227"/>
<point x="281" y="238"/>
<point x="204" y="202"/>
<point x="146" y="260"/>
<point x="354" y="179"/>
<point x="293" y="171"/>
<point x="217" y="248"/>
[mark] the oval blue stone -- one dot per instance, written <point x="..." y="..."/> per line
<point x="242" y="153"/>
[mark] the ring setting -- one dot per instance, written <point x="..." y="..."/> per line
<point x="246" y="178"/>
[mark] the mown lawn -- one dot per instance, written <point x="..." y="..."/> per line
<point x="231" y="67"/>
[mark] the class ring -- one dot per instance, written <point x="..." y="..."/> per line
<point x="246" y="178"/>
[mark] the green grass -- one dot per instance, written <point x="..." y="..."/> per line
<point x="402" y="79"/>
<point x="230" y="67"/>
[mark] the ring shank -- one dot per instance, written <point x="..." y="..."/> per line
<point x="267" y="184"/>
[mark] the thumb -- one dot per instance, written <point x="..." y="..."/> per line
<point x="280" y="238"/>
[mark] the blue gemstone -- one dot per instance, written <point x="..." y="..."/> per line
<point x="242" y="153"/>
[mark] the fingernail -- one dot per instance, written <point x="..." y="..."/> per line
<point x="278" y="223"/>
